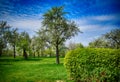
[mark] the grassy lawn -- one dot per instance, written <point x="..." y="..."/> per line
<point x="31" y="70"/>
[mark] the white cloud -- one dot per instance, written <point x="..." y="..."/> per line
<point x="25" y="22"/>
<point x="94" y="22"/>
<point x="104" y="17"/>
<point x="85" y="28"/>
<point x="29" y="24"/>
<point x="93" y="27"/>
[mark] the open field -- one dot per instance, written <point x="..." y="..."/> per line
<point x="31" y="70"/>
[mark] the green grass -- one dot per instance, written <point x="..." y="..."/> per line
<point x="31" y="70"/>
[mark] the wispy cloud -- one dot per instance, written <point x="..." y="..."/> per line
<point x="27" y="24"/>
<point x="94" y="26"/>
<point x="104" y="17"/>
<point x="96" y="22"/>
<point x="24" y="22"/>
<point x="94" y="17"/>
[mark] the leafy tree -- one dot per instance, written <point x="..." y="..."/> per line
<point x="80" y="45"/>
<point x="41" y="41"/>
<point x="49" y="52"/>
<point x="24" y="43"/>
<point x="33" y="45"/>
<point x="13" y="40"/>
<point x="58" y="28"/>
<point x="4" y="35"/>
<point x="38" y="44"/>
<point x="72" y="45"/>
<point x="62" y="50"/>
<point x="114" y="38"/>
<point x="108" y="40"/>
<point x="100" y="42"/>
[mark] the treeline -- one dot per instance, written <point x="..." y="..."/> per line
<point x="38" y="45"/>
<point x="50" y="38"/>
<point x="15" y="43"/>
<point x="108" y="40"/>
<point x="10" y="38"/>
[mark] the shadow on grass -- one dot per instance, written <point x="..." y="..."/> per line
<point x="18" y="59"/>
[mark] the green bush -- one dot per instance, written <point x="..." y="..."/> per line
<point x="93" y="65"/>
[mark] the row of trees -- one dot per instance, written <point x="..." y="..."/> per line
<point x="108" y="40"/>
<point x="50" y="38"/>
<point x="39" y="44"/>
<point x="55" y="30"/>
<point x="11" y="38"/>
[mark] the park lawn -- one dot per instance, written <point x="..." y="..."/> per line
<point x="31" y="70"/>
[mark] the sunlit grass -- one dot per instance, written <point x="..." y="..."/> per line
<point x="31" y="70"/>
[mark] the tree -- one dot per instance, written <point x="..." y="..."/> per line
<point x="58" y="28"/>
<point x="41" y="41"/>
<point x="100" y="42"/>
<point x="49" y="52"/>
<point x="114" y="38"/>
<point x="62" y="50"/>
<point x="108" y="40"/>
<point x="33" y="45"/>
<point x="4" y="35"/>
<point x="13" y="40"/>
<point x="24" y="43"/>
<point x="72" y="45"/>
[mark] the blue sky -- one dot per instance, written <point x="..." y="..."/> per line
<point x="93" y="17"/>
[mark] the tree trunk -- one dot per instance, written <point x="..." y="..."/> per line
<point x="0" y="52"/>
<point x="57" y="55"/>
<point x="14" y="51"/>
<point x="50" y="54"/>
<point x="38" y="54"/>
<point x="25" y="54"/>
<point x="42" y="53"/>
<point x="34" y="54"/>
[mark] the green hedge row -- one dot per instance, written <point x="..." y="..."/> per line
<point x="93" y="65"/>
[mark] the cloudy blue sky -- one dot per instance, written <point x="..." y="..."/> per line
<point x="93" y="17"/>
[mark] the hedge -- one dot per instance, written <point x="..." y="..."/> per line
<point x="93" y="65"/>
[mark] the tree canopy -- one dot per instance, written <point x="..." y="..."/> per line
<point x="4" y="35"/>
<point x="107" y="40"/>
<point x="24" y="43"/>
<point x="58" y="28"/>
<point x="114" y="38"/>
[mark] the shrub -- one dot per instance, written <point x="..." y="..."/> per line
<point x="93" y="65"/>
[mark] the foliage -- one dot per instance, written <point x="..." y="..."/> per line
<point x="72" y="45"/>
<point x="49" y="52"/>
<point x="58" y="28"/>
<point x="24" y="43"/>
<point x="108" y="40"/>
<point x="7" y="53"/>
<point x="41" y="41"/>
<point x="4" y="35"/>
<point x="62" y="50"/>
<point x="100" y="42"/>
<point x="34" y="46"/>
<point x="13" y="39"/>
<point x="93" y="65"/>
<point x="114" y="38"/>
